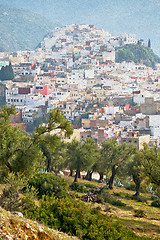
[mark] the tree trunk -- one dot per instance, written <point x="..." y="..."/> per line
<point x="138" y="188"/>
<point x="90" y="176"/>
<point x="87" y="175"/>
<point x="138" y="185"/>
<point x="112" y="177"/>
<point x="100" y="177"/>
<point x="9" y="166"/>
<point x="79" y="174"/>
<point x="56" y="171"/>
<point x="49" y="166"/>
<point x="71" y="173"/>
<point x="76" y="175"/>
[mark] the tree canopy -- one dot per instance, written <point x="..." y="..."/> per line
<point x="135" y="170"/>
<point x="19" y="151"/>
<point x="82" y="156"/>
<point x="115" y="156"/>
<point x="6" y="73"/>
<point x="138" y="54"/>
<point x="151" y="164"/>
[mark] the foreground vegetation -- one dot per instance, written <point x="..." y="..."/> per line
<point x="53" y="203"/>
<point x="29" y="169"/>
<point x="18" y="227"/>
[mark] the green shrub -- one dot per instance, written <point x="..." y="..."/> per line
<point x="118" y="203"/>
<point x="122" y="195"/>
<point x="76" y="218"/>
<point x="153" y="197"/>
<point x="156" y="203"/>
<point x="139" y="199"/>
<point x="142" y="199"/>
<point x="117" y="183"/>
<point x="139" y="213"/>
<point x="49" y="184"/>
<point x="89" y="185"/>
<point x="3" y="175"/>
<point x="78" y="187"/>
<point x="10" y="198"/>
<point x="131" y="186"/>
<point x="144" y="188"/>
<point x="104" y="196"/>
<point x="117" y="194"/>
<point x="126" y="195"/>
<point x="107" y="209"/>
<point x="98" y="208"/>
<point x="28" y="200"/>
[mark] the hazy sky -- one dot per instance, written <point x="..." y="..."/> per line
<point x="141" y="17"/>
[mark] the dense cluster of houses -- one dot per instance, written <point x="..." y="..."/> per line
<point x="75" y="70"/>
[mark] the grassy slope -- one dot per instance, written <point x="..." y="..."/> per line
<point x="138" y="54"/>
<point x="21" y="29"/>
<point x="148" y="226"/>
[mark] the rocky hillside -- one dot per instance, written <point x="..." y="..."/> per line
<point x="21" y="29"/>
<point x="13" y="226"/>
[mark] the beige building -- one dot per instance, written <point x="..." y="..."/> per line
<point x="62" y="135"/>
<point x="74" y="136"/>
<point x="135" y="139"/>
<point x="150" y="107"/>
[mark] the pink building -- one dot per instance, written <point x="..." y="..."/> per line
<point x="45" y="91"/>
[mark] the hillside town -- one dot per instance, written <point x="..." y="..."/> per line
<point x="74" y="69"/>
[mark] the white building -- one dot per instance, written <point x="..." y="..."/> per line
<point x="89" y="73"/>
<point x="16" y="96"/>
<point x="154" y="123"/>
<point x="109" y="56"/>
<point x="138" y="98"/>
<point x="129" y="38"/>
<point x="28" y="114"/>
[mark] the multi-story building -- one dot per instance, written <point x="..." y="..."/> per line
<point x="133" y="137"/>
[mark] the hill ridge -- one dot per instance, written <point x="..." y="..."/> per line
<point x="21" y="29"/>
